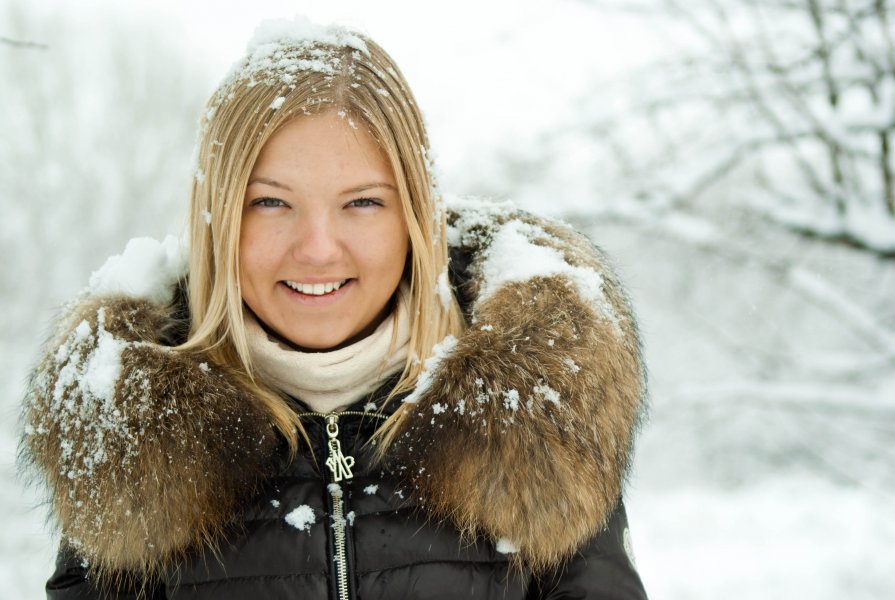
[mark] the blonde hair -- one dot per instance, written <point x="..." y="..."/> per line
<point x="280" y="80"/>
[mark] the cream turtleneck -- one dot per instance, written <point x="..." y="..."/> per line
<point x="330" y="381"/>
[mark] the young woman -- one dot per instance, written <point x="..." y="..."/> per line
<point x="353" y="390"/>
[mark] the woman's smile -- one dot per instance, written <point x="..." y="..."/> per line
<point x="316" y="289"/>
<point x="318" y="294"/>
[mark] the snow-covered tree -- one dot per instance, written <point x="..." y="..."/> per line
<point x="789" y="103"/>
<point x="97" y="133"/>
<point x="785" y="108"/>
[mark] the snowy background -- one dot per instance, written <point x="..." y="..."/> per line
<point x="732" y="160"/>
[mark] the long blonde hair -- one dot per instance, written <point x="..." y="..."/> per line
<point x="283" y="77"/>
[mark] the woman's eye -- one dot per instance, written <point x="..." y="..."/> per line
<point x="268" y="202"/>
<point x="363" y="202"/>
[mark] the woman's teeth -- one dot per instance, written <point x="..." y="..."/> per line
<point x="315" y="289"/>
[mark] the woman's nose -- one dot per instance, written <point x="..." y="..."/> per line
<point x="317" y="242"/>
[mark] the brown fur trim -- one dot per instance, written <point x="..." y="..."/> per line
<point x="144" y="462"/>
<point x="526" y="430"/>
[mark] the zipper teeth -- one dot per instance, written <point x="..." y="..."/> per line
<point x="339" y="526"/>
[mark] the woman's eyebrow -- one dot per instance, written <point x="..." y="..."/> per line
<point x="270" y="182"/>
<point x="369" y="186"/>
<point x="353" y="190"/>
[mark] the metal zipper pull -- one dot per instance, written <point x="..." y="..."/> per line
<point x="338" y="463"/>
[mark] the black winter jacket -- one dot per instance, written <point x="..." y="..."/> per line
<point x="504" y="479"/>
<point x="391" y="550"/>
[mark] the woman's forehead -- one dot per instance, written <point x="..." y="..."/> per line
<point x="315" y="148"/>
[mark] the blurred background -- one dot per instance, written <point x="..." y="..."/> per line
<point x="735" y="157"/>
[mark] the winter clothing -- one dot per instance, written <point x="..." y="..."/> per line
<point x="503" y="482"/>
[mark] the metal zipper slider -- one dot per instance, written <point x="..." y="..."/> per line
<point x="338" y="463"/>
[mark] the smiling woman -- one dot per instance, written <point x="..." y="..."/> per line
<point x="352" y="388"/>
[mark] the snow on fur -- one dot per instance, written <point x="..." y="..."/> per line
<point x="519" y="251"/>
<point x="146" y="269"/>
<point x="474" y="215"/>
<point x="441" y="350"/>
<point x="89" y="368"/>
<point x="513" y="256"/>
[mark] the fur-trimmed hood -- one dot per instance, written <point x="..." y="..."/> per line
<point x="520" y="429"/>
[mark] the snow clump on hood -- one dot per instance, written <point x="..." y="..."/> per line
<point x="146" y="269"/>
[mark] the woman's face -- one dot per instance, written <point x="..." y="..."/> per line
<point x="323" y="240"/>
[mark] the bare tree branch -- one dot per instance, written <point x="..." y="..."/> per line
<point x="23" y="44"/>
<point x="790" y="395"/>
<point x="811" y="287"/>
<point x="791" y="90"/>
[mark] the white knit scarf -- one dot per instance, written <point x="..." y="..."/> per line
<point x="330" y="381"/>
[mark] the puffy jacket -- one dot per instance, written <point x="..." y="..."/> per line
<point x="504" y="480"/>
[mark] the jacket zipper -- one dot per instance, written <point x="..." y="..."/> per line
<point x="340" y="467"/>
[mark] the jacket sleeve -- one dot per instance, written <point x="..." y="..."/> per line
<point x="71" y="582"/>
<point x="602" y="570"/>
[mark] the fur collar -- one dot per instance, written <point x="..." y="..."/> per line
<point x="146" y="452"/>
